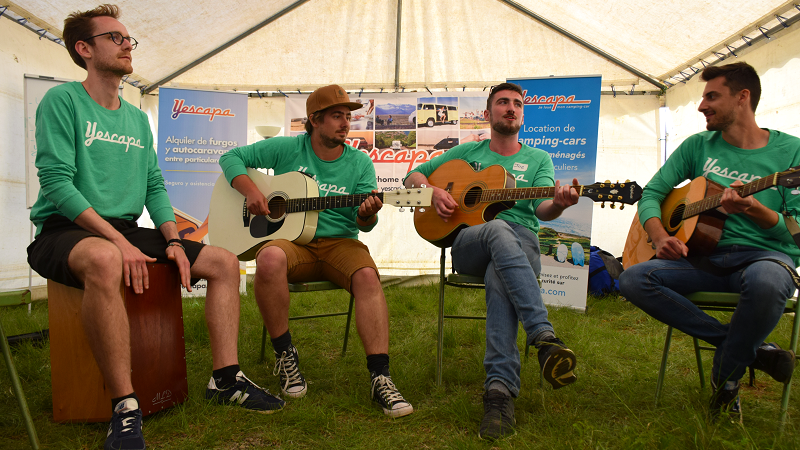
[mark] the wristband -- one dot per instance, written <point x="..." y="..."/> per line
<point x="176" y="244"/>
<point x="179" y="241"/>
<point x="365" y="219"/>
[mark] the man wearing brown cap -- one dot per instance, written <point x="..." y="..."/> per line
<point x="335" y="254"/>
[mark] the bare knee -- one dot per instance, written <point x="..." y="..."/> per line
<point x="97" y="263"/>
<point x="215" y="263"/>
<point x="271" y="264"/>
<point x="367" y="279"/>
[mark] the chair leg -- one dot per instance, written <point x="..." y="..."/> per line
<point x="263" y="343"/>
<point x="787" y="388"/>
<point x="17" y="387"/>
<point x="347" y="325"/>
<point x="663" y="368"/>
<point x="440" y="339"/>
<point x="700" y="370"/>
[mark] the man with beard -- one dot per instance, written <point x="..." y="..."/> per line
<point x="754" y="245"/>
<point x="505" y="251"/>
<point x="335" y="254"/>
<point x="92" y="192"/>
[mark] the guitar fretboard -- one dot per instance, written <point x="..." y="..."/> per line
<point x="320" y="203"/>
<point x="714" y="201"/>
<point x="499" y="195"/>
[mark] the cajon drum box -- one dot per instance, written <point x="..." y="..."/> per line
<point x="158" y="352"/>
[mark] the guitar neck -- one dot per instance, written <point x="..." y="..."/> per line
<point x="715" y="201"/>
<point x="530" y="193"/>
<point x="335" y="201"/>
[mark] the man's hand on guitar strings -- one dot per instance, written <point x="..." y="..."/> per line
<point x="444" y="203"/>
<point x="566" y="196"/>
<point x="733" y="203"/>
<point x="257" y="204"/>
<point x="370" y="206"/>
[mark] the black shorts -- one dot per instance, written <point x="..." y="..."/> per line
<point x="49" y="253"/>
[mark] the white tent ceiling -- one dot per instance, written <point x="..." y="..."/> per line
<point x="273" y="45"/>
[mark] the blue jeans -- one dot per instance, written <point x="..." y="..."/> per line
<point x="506" y="255"/>
<point x="658" y="287"/>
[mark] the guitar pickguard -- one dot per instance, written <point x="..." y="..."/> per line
<point x="261" y="227"/>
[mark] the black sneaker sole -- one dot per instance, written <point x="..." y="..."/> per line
<point x="558" y="368"/>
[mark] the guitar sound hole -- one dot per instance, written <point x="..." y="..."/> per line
<point x="277" y="208"/>
<point x="677" y="216"/>
<point x="472" y="197"/>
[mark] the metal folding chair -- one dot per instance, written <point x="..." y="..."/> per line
<point x="314" y="286"/>
<point x="726" y="301"/>
<point x="16" y="298"/>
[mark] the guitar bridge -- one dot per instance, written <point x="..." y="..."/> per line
<point x="245" y="214"/>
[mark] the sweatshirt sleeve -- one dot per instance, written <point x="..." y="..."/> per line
<point x="55" y="153"/>
<point x="156" y="198"/>
<point x="677" y="169"/>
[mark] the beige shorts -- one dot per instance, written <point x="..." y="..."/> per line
<point x="329" y="259"/>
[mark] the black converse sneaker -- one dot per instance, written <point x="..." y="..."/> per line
<point x="498" y="415"/>
<point x="287" y="368"/>
<point x="245" y="393"/>
<point x="556" y="361"/>
<point x="388" y="397"/>
<point x="125" y="428"/>
<point x="775" y="361"/>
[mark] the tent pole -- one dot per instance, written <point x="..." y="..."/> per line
<point x="586" y="44"/>
<point x="224" y="46"/>
<point x="397" y="46"/>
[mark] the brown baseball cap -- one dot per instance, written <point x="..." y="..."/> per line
<point x="328" y="96"/>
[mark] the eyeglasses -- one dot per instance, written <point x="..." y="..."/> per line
<point x="117" y="38"/>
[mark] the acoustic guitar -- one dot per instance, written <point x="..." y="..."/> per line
<point x="693" y="214"/>
<point x="294" y="205"/>
<point x="482" y="195"/>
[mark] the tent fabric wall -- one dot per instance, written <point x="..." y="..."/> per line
<point x="777" y="64"/>
<point x="21" y="52"/>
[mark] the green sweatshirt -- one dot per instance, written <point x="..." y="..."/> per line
<point x="707" y="154"/>
<point x="530" y="166"/>
<point x="351" y="173"/>
<point x="89" y="156"/>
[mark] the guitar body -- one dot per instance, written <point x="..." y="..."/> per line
<point x="465" y="184"/>
<point x="233" y="228"/>
<point x="700" y="233"/>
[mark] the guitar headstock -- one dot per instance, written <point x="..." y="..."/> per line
<point x="627" y="192"/>
<point x="789" y="177"/>
<point x="406" y="197"/>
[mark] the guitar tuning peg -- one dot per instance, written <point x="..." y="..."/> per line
<point x="608" y="181"/>
<point x="603" y="205"/>
<point x="621" y="207"/>
<point x="402" y="209"/>
<point x="411" y="209"/>
<point x="627" y="181"/>
<point x="613" y="206"/>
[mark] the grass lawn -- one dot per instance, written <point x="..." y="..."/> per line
<point x="610" y="406"/>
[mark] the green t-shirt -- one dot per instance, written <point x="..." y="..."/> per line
<point x="530" y="166"/>
<point x="351" y="173"/>
<point x="89" y="156"/>
<point x="707" y="154"/>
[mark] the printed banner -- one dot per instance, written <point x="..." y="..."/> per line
<point x="401" y="131"/>
<point x="195" y="128"/>
<point x="562" y="116"/>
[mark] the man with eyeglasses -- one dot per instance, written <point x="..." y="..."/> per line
<point x="97" y="170"/>
<point x="505" y="251"/>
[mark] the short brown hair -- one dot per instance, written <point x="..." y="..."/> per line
<point x="318" y="117"/>
<point x="738" y="76"/>
<point x="78" y="26"/>
<point x="502" y="87"/>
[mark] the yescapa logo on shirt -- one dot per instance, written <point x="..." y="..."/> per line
<point x="328" y="189"/>
<point x="93" y="135"/>
<point x="711" y="167"/>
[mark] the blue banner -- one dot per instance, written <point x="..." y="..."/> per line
<point x="195" y="128"/>
<point x="561" y="117"/>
